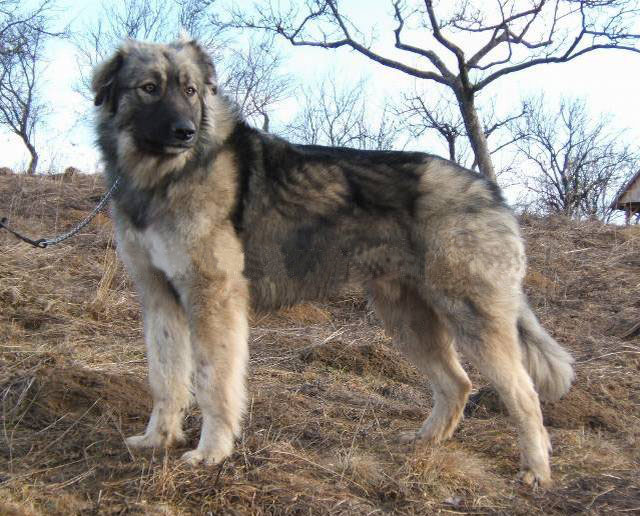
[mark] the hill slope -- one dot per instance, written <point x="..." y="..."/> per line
<point x="328" y="393"/>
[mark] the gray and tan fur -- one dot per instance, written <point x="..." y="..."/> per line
<point x="213" y="216"/>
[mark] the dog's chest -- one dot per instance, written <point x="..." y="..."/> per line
<point x="166" y="252"/>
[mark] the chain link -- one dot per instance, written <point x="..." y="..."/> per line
<point x="46" y="242"/>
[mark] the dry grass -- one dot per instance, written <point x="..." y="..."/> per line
<point x="328" y="395"/>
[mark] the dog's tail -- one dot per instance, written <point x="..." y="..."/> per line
<point x="549" y="365"/>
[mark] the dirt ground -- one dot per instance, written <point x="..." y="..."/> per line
<point x="328" y="392"/>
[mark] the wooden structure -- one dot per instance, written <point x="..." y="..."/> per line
<point x="629" y="199"/>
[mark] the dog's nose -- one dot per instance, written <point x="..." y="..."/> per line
<point x="184" y="130"/>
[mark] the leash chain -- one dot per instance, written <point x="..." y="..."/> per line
<point x="45" y="242"/>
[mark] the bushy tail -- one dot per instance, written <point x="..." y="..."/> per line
<point x="549" y="365"/>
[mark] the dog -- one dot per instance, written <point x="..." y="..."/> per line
<point x="214" y="217"/>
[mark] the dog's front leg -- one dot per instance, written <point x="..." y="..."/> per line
<point x="167" y="338"/>
<point x="169" y="358"/>
<point x="219" y="332"/>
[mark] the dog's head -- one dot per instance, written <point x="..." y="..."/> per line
<point x="157" y="94"/>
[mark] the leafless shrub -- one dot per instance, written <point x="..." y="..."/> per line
<point x="333" y="113"/>
<point x="579" y="161"/>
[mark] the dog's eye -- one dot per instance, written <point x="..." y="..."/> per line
<point x="190" y="91"/>
<point x="149" y="87"/>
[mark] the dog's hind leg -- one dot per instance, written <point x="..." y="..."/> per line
<point x="487" y="333"/>
<point x="419" y="333"/>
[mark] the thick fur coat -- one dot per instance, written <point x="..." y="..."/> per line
<point x="213" y="216"/>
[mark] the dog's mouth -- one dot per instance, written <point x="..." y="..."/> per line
<point x="163" y="147"/>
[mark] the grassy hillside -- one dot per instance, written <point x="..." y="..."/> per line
<point x="328" y="393"/>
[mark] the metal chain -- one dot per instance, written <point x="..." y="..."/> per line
<point x="45" y="242"/>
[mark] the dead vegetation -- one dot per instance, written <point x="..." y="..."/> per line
<point x="328" y="395"/>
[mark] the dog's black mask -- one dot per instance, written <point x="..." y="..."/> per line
<point x="168" y="124"/>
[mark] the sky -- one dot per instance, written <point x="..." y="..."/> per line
<point x="608" y="80"/>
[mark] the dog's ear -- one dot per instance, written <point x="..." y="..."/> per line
<point x="104" y="81"/>
<point x="206" y="65"/>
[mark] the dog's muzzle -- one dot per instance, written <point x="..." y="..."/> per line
<point x="183" y="131"/>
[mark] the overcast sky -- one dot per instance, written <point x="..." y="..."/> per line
<point x="608" y="80"/>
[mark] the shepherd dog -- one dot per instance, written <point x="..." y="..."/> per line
<point x="215" y="218"/>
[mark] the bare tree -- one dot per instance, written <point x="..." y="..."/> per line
<point x="252" y="78"/>
<point x="466" y="45"/>
<point x="425" y="113"/>
<point x="17" y="22"/>
<point x="22" y="37"/>
<point x="195" y="20"/>
<point x="579" y="161"/>
<point x="333" y="114"/>
<point x="149" y="20"/>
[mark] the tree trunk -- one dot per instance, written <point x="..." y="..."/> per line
<point x="33" y="164"/>
<point x="451" y="140"/>
<point x="476" y="134"/>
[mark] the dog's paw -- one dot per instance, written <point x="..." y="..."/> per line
<point x="406" y="437"/>
<point x="145" y="441"/>
<point x="530" y="478"/>
<point x="153" y="440"/>
<point x="213" y="448"/>
<point x="206" y="457"/>
<point x="418" y="438"/>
